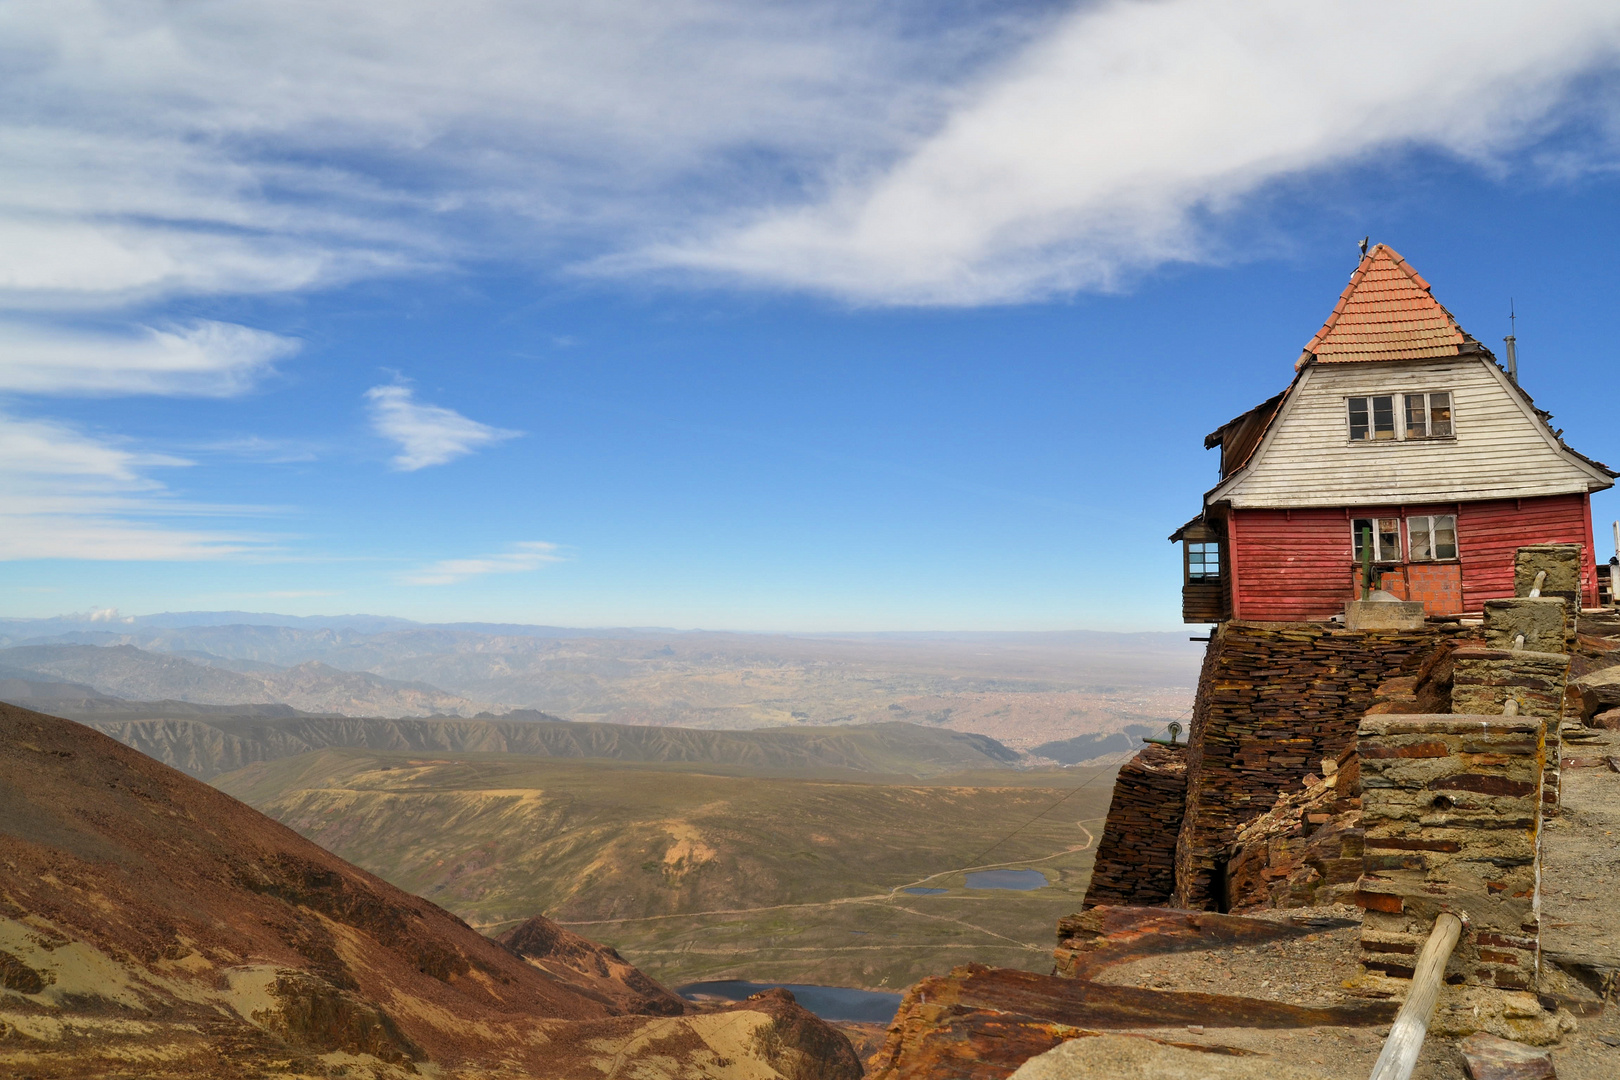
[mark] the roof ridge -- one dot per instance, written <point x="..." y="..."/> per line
<point x="1387" y="311"/>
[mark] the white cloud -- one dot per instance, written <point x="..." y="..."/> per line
<point x="68" y="495"/>
<point x="202" y="358"/>
<point x="156" y="150"/>
<point x="1098" y="150"/>
<point x="912" y="153"/>
<point x="426" y="434"/>
<point x="525" y="556"/>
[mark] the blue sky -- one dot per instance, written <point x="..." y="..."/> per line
<point x="770" y="316"/>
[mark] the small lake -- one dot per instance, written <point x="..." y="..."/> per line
<point x="827" y="1002"/>
<point x="1007" y="879"/>
<point x="918" y="890"/>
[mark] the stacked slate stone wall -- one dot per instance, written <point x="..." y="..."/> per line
<point x="1451" y="816"/>
<point x="1484" y="680"/>
<point x="1136" y="858"/>
<point x="1275" y="699"/>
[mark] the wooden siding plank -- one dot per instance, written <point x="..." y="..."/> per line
<point x="1498" y="452"/>
<point x="1489" y="533"/>
<point x="1298" y="565"/>
<point x="1291" y="567"/>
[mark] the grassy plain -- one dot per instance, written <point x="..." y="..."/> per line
<point x="694" y="875"/>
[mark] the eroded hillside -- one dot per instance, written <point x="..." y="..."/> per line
<point x="695" y="875"/>
<point x="151" y="926"/>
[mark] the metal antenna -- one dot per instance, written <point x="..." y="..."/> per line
<point x="1512" y="341"/>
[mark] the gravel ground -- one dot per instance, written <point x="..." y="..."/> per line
<point x="1307" y="971"/>
<point x="1580" y="916"/>
<point x="1580" y="896"/>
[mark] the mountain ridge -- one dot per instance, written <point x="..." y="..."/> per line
<point x="206" y="748"/>
<point x="131" y="673"/>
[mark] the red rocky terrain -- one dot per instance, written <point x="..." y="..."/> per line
<point x="151" y="926"/>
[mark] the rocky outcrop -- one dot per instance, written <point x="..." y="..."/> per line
<point x="152" y="926"/>
<point x="980" y="1023"/>
<point x="568" y="955"/>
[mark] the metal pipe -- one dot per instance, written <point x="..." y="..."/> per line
<point x="1541" y="579"/>
<point x="1510" y="707"/>
<point x="1406" y="1035"/>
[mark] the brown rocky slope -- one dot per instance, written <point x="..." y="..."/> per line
<point x="151" y="926"/>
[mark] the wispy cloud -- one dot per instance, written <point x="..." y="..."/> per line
<point x="426" y="434"/>
<point x="65" y="494"/>
<point x="1125" y="139"/>
<point x="911" y="153"/>
<point x="524" y="556"/>
<point x="267" y="451"/>
<point x="201" y="358"/>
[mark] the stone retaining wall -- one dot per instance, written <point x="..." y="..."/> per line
<point x="1274" y="700"/>
<point x="1484" y="680"/>
<point x="1451" y="819"/>
<point x="1136" y="858"/>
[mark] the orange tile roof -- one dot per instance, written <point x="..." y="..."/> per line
<point x="1386" y="313"/>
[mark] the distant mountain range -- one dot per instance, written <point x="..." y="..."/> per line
<point x="59" y="674"/>
<point x="208" y="746"/>
<point x="1025" y="689"/>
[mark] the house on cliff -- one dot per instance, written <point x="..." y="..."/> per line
<point x="1401" y="436"/>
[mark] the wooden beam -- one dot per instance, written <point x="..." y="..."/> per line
<point x="1405" y="1040"/>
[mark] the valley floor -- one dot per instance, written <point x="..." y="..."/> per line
<point x="695" y="876"/>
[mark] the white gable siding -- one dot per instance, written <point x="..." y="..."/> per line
<point x="1500" y="450"/>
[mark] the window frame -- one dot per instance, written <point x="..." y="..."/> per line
<point x="1398" y="402"/>
<point x="1379" y="557"/>
<point x="1206" y="548"/>
<point x="1429" y="521"/>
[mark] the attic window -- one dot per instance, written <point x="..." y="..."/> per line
<point x="1426" y="416"/>
<point x="1372" y="418"/>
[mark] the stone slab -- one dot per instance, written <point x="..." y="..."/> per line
<point x="1449" y="724"/>
<point x="1543" y="621"/>
<point x="1383" y="615"/>
<point x="1487" y="1057"/>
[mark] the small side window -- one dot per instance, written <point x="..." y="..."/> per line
<point x="1419" y="539"/>
<point x="1417" y="416"/>
<point x="1439" y="415"/>
<point x="1445" y="536"/>
<point x="1204" y="561"/>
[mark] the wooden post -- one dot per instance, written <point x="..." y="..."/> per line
<point x="1405" y="1040"/>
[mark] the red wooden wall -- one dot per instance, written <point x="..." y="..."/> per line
<point x="1292" y="566"/>
<point x="1289" y="565"/>
<point x="1489" y="532"/>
